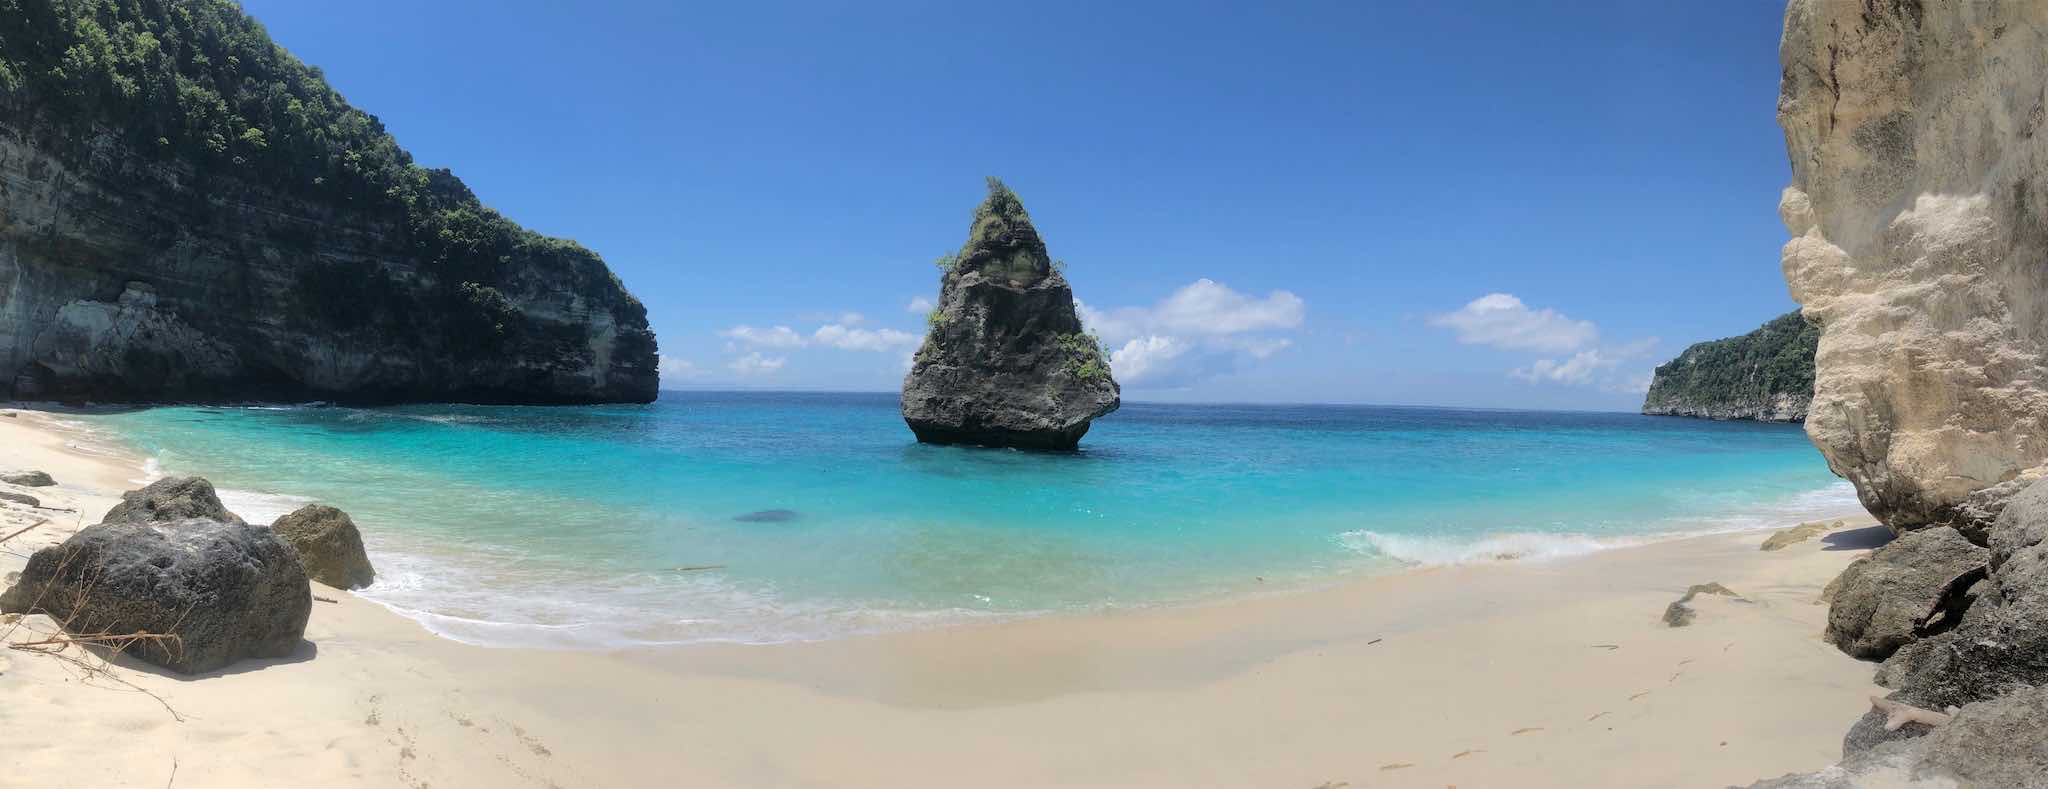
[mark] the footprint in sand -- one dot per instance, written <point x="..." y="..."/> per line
<point x="1467" y="752"/>
<point x="1525" y="730"/>
<point x="1639" y="695"/>
<point x="1597" y="716"/>
<point x="1395" y="766"/>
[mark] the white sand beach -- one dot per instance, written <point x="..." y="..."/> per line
<point x="1551" y="673"/>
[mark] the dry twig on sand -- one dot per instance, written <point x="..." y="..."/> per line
<point x="1899" y="713"/>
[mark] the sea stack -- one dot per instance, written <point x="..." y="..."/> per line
<point x="1006" y="362"/>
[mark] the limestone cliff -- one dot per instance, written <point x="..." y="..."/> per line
<point x="187" y="212"/>
<point x="1919" y="214"/>
<point x="1007" y="362"/>
<point x="1765" y="375"/>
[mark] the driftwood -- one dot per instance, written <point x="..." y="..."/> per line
<point x="1946" y="611"/>
<point x="1898" y="713"/>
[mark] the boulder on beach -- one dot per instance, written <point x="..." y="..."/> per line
<point x="328" y="544"/>
<point x="27" y="479"/>
<point x="223" y="591"/>
<point x="20" y="498"/>
<point x="169" y="499"/>
<point x="1006" y="362"/>
<point x="1881" y="598"/>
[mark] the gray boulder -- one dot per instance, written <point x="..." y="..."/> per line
<point x="28" y="479"/>
<point x="227" y="591"/>
<point x="1006" y="361"/>
<point x="2001" y="646"/>
<point x="20" y="498"/>
<point x="328" y="544"/>
<point x="1882" y="597"/>
<point x="2001" y="743"/>
<point x="169" y="499"/>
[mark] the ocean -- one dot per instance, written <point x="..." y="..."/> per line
<point x="767" y="517"/>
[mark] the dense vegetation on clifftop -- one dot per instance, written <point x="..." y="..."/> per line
<point x="200" y="82"/>
<point x="198" y="88"/>
<point x="1766" y="374"/>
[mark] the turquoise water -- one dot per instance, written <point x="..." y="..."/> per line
<point x="570" y="526"/>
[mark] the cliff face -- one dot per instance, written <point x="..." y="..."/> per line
<point x="188" y="213"/>
<point x="1765" y="375"/>
<point x="1007" y="362"/>
<point x="1920" y="231"/>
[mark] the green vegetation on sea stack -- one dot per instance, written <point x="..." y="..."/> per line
<point x="1766" y="375"/>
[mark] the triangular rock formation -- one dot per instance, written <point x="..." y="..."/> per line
<point x="1007" y="362"/>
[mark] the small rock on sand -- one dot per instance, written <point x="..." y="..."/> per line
<point x="21" y="498"/>
<point x="328" y="544"/>
<point x="1801" y="533"/>
<point x="1681" y="613"/>
<point x="28" y="479"/>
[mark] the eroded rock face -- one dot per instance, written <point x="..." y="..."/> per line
<point x="170" y="499"/>
<point x="1920" y="227"/>
<point x="1007" y="362"/>
<point x="228" y="591"/>
<point x="328" y="544"/>
<point x="1882" y="596"/>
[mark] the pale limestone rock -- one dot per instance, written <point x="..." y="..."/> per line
<point x="1920" y="243"/>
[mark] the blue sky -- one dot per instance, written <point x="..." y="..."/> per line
<point x="1502" y="204"/>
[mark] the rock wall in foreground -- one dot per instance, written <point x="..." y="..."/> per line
<point x="1765" y="375"/>
<point x="1919" y="215"/>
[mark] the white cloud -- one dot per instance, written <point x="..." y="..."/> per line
<point x="1503" y="321"/>
<point x="756" y="364"/>
<point x="920" y="305"/>
<point x="1577" y="370"/>
<point x="1593" y="366"/>
<point x="1144" y="359"/>
<point x="1200" y="330"/>
<point x="1204" y="307"/>
<point x="676" y="368"/>
<point x="851" y="339"/>
<point x="773" y="337"/>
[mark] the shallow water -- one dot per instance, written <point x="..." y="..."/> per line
<point x="779" y="516"/>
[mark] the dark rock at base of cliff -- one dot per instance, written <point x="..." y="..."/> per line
<point x="328" y="544"/>
<point x="225" y="591"/>
<point x="1007" y="362"/>
<point x="1881" y="598"/>
<point x="2002" y="742"/>
<point x="169" y="499"/>
<point x="2001" y="644"/>
<point x="1765" y="375"/>
<point x="28" y="479"/>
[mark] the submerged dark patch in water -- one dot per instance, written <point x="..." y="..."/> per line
<point x="768" y="516"/>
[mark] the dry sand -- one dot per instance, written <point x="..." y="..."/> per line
<point x="1555" y="673"/>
